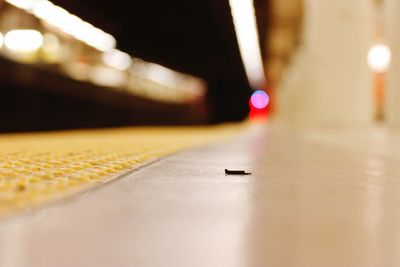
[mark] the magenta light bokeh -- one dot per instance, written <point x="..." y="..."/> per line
<point x="259" y="99"/>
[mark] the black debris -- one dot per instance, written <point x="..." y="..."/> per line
<point x="236" y="172"/>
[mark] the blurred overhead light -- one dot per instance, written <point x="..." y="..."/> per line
<point x="117" y="59"/>
<point x="23" y="4"/>
<point x="73" y="25"/>
<point x="23" y="40"/>
<point x="46" y="11"/>
<point x="379" y="58"/>
<point x="51" y="43"/>
<point x="103" y="41"/>
<point x="51" y="48"/>
<point x="160" y="74"/>
<point x="244" y="20"/>
<point x="106" y="76"/>
<point x="175" y="82"/>
<point x="259" y="99"/>
<point x="50" y="13"/>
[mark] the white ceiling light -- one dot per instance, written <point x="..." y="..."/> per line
<point x="23" y="4"/>
<point x="160" y="75"/>
<point x="23" y="40"/>
<point x="379" y="58"/>
<point x="73" y="25"/>
<point x="244" y="20"/>
<point x="117" y="59"/>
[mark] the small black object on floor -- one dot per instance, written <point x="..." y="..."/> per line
<point x="236" y="172"/>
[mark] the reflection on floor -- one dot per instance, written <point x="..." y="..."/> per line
<point x="315" y="198"/>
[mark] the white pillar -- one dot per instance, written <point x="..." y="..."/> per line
<point x="392" y="107"/>
<point x="329" y="81"/>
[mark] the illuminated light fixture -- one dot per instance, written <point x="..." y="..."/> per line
<point x="73" y="25"/>
<point x="50" y="43"/>
<point x="44" y="10"/>
<point x="51" y="48"/>
<point x="51" y="14"/>
<point x="177" y="83"/>
<point x="106" y="76"/>
<point x="1" y="40"/>
<point x="22" y="4"/>
<point x="117" y="59"/>
<point x="259" y="99"/>
<point x="100" y="40"/>
<point x="23" y="40"/>
<point x="379" y="58"/>
<point x="160" y="74"/>
<point x="244" y="20"/>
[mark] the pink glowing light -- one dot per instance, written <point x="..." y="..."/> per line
<point x="259" y="99"/>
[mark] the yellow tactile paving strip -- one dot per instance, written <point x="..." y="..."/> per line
<point x="40" y="167"/>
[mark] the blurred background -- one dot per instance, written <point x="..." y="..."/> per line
<point x="81" y="64"/>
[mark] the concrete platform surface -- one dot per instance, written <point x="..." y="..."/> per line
<point x="315" y="198"/>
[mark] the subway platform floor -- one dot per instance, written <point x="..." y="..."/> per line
<point x="320" y="197"/>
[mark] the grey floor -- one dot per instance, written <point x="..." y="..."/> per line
<point x="315" y="198"/>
